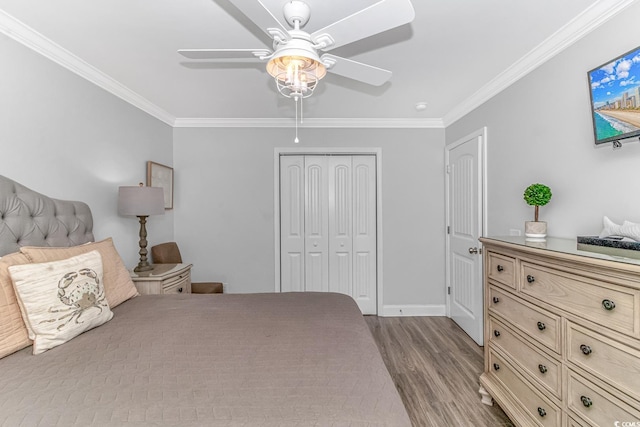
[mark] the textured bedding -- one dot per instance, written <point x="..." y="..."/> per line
<point x="292" y="359"/>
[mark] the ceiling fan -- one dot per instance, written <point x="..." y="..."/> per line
<point x="294" y="61"/>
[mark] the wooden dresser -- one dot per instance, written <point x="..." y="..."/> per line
<point x="562" y="334"/>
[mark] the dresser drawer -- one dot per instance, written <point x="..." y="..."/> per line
<point x="541" y="409"/>
<point x="502" y="269"/>
<point x="178" y="288"/>
<point x="595" y="405"/>
<point x="544" y="369"/>
<point x="573" y="423"/>
<point x="614" y="362"/>
<point x="177" y="285"/>
<point x="533" y="321"/>
<point x="600" y="302"/>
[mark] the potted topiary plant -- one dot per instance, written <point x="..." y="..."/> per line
<point x="536" y="195"/>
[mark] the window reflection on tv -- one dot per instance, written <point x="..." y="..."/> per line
<point x="615" y="98"/>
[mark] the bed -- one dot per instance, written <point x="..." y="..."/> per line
<point x="298" y="359"/>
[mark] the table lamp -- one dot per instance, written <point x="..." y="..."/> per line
<point x="141" y="201"/>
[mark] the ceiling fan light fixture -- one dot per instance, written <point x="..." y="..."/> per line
<point x="296" y="69"/>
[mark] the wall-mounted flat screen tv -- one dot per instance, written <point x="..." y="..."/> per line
<point x="615" y="98"/>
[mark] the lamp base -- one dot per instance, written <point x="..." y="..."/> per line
<point x="143" y="267"/>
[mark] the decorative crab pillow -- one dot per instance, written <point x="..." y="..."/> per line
<point x="60" y="300"/>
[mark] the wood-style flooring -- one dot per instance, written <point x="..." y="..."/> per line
<point x="435" y="366"/>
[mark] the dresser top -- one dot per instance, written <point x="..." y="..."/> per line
<point x="559" y="245"/>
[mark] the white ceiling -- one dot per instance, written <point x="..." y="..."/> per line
<point x="455" y="54"/>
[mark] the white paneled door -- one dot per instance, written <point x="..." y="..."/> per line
<point x="328" y="226"/>
<point x="464" y="227"/>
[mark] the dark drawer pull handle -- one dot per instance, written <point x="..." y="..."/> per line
<point x="586" y="401"/>
<point x="608" y="304"/>
<point x="180" y="290"/>
<point x="542" y="326"/>
<point x="496" y="300"/>
<point x="541" y="412"/>
<point x="530" y="278"/>
<point x="585" y="349"/>
<point x="496" y="333"/>
<point x="500" y="268"/>
<point x="542" y="368"/>
<point x="496" y="366"/>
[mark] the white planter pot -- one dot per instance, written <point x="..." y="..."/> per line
<point x="535" y="231"/>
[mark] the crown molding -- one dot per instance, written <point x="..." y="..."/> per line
<point x="590" y="19"/>
<point x="18" y="31"/>
<point x="37" y="42"/>
<point x="597" y="14"/>
<point x="308" y="123"/>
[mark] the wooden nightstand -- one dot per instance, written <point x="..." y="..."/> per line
<point x="164" y="279"/>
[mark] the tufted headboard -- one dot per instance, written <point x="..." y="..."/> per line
<point x="28" y="218"/>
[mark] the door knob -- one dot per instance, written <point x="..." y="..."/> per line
<point x="473" y="250"/>
<point x="315" y="244"/>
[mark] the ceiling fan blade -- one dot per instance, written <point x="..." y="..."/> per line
<point x="379" y="17"/>
<point x="355" y="70"/>
<point x="256" y="11"/>
<point x="224" y="53"/>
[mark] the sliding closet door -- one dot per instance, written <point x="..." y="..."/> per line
<point x="328" y="226"/>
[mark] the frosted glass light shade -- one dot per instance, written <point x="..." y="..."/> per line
<point x="297" y="69"/>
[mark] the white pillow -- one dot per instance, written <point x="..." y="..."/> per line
<point x="628" y="229"/>
<point x="610" y="228"/>
<point x="631" y="230"/>
<point x="61" y="299"/>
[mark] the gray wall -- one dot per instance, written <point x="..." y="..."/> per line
<point x="539" y="130"/>
<point x="65" y="137"/>
<point x="224" y="214"/>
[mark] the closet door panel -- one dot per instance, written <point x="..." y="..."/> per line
<point x="364" y="233"/>
<point x="340" y="225"/>
<point x="316" y="216"/>
<point x="292" y="268"/>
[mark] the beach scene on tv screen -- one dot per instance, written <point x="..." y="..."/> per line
<point x="615" y="93"/>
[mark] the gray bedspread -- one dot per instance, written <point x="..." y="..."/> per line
<point x="293" y="359"/>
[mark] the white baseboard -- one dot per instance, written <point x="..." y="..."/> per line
<point x="413" y="310"/>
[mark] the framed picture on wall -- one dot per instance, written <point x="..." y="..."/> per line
<point x="161" y="176"/>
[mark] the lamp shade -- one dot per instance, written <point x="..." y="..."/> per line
<point x="140" y="201"/>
